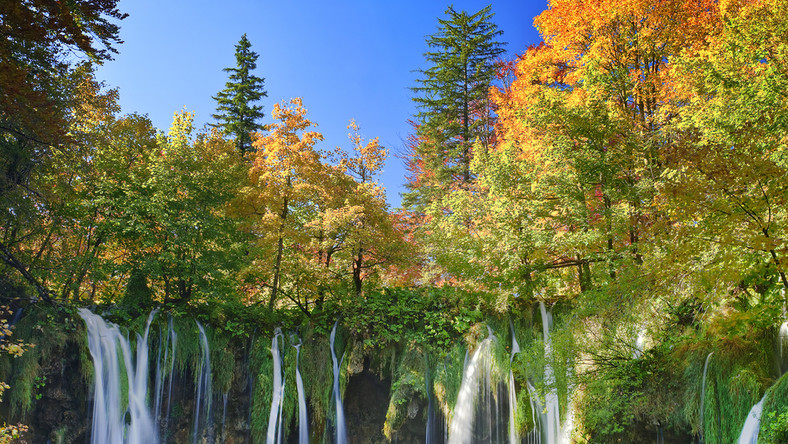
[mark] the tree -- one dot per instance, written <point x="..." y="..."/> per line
<point x="235" y="111"/>
<point x="452" y="98"/>
<point x="284" y="183"/>
<point x="38" y="39"/>
<point x="357" y="230"/>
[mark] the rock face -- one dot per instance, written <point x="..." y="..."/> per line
<point x="62" y="402"/>
<point x="366" y="402"/>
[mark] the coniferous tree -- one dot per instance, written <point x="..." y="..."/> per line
<point x="236" y="112"/>
<point x="454" y="110"/>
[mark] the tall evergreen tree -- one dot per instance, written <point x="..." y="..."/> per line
<point x="451" y="96"/>
<point x="236" y="113"/>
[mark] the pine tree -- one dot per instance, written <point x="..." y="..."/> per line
<point x="454" y="110"/>
<point x="236" y="113"/>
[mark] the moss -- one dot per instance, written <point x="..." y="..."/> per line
<point x="730" y="394"/>
<point x="49" y="331"/>
<point x="222" y="361"/>
<point x="774" y="419"/>
<point x="448" y="378"/>
<point x="261" y="367"/>
<point x="408" y="384"/>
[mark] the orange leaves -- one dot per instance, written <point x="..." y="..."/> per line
<point x="285" y="158"/>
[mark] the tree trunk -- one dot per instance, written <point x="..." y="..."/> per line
<point x="279" y="250"/>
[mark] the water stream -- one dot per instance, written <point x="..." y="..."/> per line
<point x="274" y="435"/>
<point x="202" y="409"/>
<point x="107" y="345"/>
<point x="749" y="432"/>
<point x="340" y="430"/>
<point x="461" y="430"/>
<point x="303" y="421"/>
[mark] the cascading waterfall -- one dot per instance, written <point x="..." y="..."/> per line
<point x="165" y="342"/>
<point x="535" y="436"/>
<point x="274" y="435"/>
<point x="303" y="421"/>
<point x="109" y="417"/>
<point x="703" y="396"/>
<point x="173" y="342"/>
<point x="514" y="437"/>
<point x="462" y="422"/>
<point x="203" y="399"/>
<point x="749" y="433"/>
<point x="553" y="414"/>
<point x="341" y="431"/>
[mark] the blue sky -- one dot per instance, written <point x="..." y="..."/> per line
<point x="346" y="59"/>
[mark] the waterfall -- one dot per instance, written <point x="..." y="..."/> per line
<point x="462" y="422"/>
<point x="164" y="342"/>
<point x="203" y="388"/>
<point x="109" y="416"/>
<point x="303" y="421"/>
<point x="430" y="409"/>
<point x="275" y="416"/>
<point x="174" y="342"/>
<point x="749" y="432"/>
<point x="341" y="433"/>
<point x="703" y="397"/>
<point x="553" y="418"/>
<point x="514" y="437"/>
<point x="224" y="414"/>
<point x="639" y="341"/>
<point x="535" y="435"/>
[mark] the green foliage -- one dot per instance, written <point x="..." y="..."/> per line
<point x="774" y="417"/>
<point x="448" y="377"/>
<point x="408" y="386"/>
<point x="51" y="333"/>
<point x="433" y="317"/>
<point x="317" y="375"/>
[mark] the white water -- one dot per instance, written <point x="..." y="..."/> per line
<point x="514" y="437"/>
<point x="553" y="414"/>
<point x="703" y="396"/>
<point x="341" y="431"/>
<point x="109" y="416"/>
<point x="174" y="342"/>
<point x="749" y="433"/>
<point x="203" y="400"/>
<point x="641" y="339"/>
<point x="159" y="387"/>
<point x="274" y="418"/>
<point x="303" y="420"/>
<point x="462" y="421"/>
<point x="535" y="436"/>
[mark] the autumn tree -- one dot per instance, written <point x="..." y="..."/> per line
<point x="358" y="230"/>
<point x="725" y="179"/>
<point x="167" y="211"/>
<point x="452" y="99"/>
<point x="582" y="123"/>
<point x="284" y="177"/>
<point x="36" y="99"/>
<point x="236" y="112"/>
<point x="47" y="235"/>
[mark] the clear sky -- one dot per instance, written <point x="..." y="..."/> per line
<point x="347" y="59"/>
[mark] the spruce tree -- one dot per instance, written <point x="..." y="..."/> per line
<point x="236" y="112"/>
<point x="454" y="110"/>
